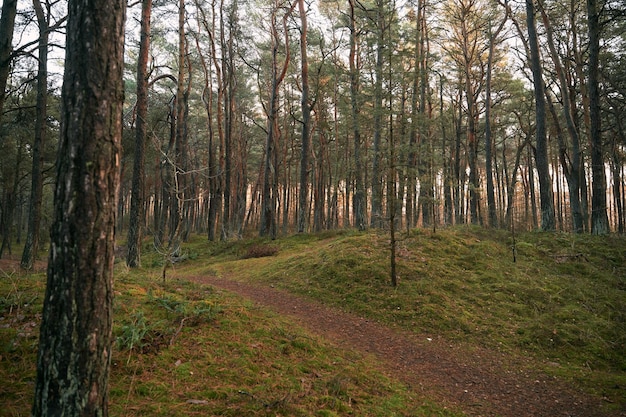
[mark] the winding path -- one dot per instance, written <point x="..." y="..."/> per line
<point x="478" y="382"/>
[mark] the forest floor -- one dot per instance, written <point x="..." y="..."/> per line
<point x="479" y="382"/>
<point x="465" y="333"/>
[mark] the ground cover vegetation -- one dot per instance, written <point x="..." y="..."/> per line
<point x="560" y="304"/>
<point x="184" y="349"/>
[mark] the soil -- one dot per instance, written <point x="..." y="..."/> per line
<point x="477" y="381"/>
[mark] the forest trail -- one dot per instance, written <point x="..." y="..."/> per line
<point x="478" y="382"/>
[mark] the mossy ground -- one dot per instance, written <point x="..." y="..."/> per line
<point x="186" y="349"/>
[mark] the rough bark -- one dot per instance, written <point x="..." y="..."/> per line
<point x="75" y="340"/>
<point x="571" y="164"/>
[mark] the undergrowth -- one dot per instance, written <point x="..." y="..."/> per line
<point x="183" y="349"/>
<point x="561" y="305"/>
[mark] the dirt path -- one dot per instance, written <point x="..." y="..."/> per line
<point x="480" y="382"/>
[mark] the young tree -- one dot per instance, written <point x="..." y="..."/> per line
<point x="376" y="215"/>
<point x="75" y="339"/>
<point x="491" y="198"/>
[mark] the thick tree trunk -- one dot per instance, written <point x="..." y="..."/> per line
<point x="137" y="209"/>
<point x="75" y="340"/>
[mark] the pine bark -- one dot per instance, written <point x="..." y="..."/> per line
<point x="75" y="339"/>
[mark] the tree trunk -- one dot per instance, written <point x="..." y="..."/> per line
<point x="376" y="215"/>
<point x="75" y="340"/>
<point x="10" y="193"/>
<point x="543" y="170"/>
<point x="572" y="168"/>
<point x="303" y="210"/>
<point x="7" y="24"/>
<point x="137" y="209"/>
<point x="180" y="172"/>
<point x="491" y="198"/>
<point x="31" y="246"/>
<point x="458" y="183"/>
<point x="270" y="168"/>
<point x="599" y="218"/>
<point x="358" y="201"/>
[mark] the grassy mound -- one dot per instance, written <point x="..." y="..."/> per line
<point x="562" y="302"/>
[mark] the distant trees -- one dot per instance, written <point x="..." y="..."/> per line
<point x="347" y="114"/>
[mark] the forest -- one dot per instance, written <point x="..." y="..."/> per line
<point x="288" y="144"/>
<point x="271" y="117"/>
